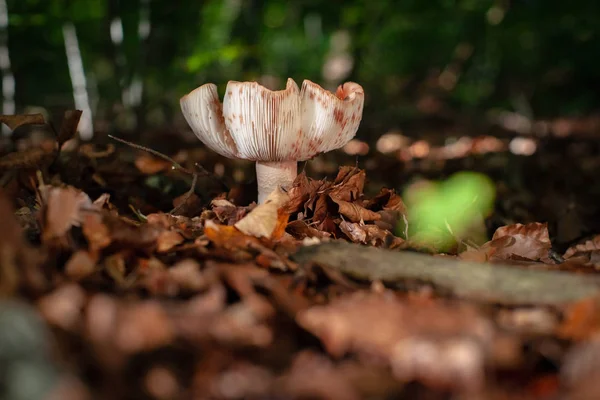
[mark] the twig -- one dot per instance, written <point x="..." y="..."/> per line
<point x="176" y="165"/>
<point x="187" y="196"/>
<point x="156" y="153"/>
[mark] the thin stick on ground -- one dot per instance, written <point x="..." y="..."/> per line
<point x="175" y="164"/>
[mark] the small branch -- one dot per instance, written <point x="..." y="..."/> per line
<point x="187" y="195"/>
<point x="496" y="283"/>
<point x="176" y="165"/>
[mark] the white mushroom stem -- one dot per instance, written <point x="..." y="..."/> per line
<point x="271" y="174"/>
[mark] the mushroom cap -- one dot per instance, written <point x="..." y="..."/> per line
<point x="258" y="124"/>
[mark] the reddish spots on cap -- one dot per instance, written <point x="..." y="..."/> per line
<point x="241" y="119"/>
<point x="338" y="115"/>
<point x="241" y="90"/>
<point x="340" y="93"/>
<point x="230" y="93"/>
<point x="311" y="96"/>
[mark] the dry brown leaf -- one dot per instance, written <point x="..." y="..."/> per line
<point x="386" y="199"/>
<point x="300" y="191"/>
<point x="355" y="212"/>
<point x="529" y="242"/>
<point x="167" y="240"/>
<point x="370" y="234"/>
<point x="68" y="128"/>
<point x="14" y="121"/>
<point x="267" y="220"/>
<point x="354" y="231"/>
<point x="128" y="234"/>
<point x="80" y="265"/>
<point x="349" y="184"/>
<point x="30" y="158"/>
<point x="589" y="248"/>
<point x="149" y="165"/>
<point x="96" y="232"/>
<point x="227" y="212"/>
<point x="61" y="210"/>
<point x="301" y="230"/>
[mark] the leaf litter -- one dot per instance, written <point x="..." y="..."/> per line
<point x="147" y="287"/>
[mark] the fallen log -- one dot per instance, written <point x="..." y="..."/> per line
<point x="498" y="283"/>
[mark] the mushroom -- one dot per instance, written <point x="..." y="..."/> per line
<point x="276" y="129"/>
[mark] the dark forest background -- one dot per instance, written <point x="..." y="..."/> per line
<point x="439" y="60"/>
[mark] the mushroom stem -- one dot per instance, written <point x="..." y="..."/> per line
<point x="271" y="174"/>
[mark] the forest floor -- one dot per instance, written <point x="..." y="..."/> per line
<point x="118" y="282"/>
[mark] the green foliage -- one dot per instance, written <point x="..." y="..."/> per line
<point x="441" y="212"/>
<point x="492" y="52"/>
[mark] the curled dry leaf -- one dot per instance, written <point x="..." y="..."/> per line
<point x="301" y="230"/>
<point x="151" y="165"/>
<point x="588" y="250"/>
<point x="370" y="234"/>
<point x="31" y="158"/>
<point x="227" y="212"/>
<point x="518" y="242"/>
<point x="237" y="246"/>
<point x="68" y="128"/>
<point x="267" y="220"/>
<point x="14" y="121"/>
<point x="349" y="184"/>
<point x="355" y="212"/>
<point x="96" y="232"/>
<point x="61" y="210"/>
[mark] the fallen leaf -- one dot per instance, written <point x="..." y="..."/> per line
<point x="14" y="121"/>
<point x="80" y="265"/>
<point x="152" y="165"/>
<point x="61" y="210"/>
<point x="530" y="242"/>
<point x="96" y="232"/>
<point x="68" y="128"/>
<point x="30" y="158"/>
<point x="354" y="231"/>
<point x="167" y="240"/>
<point x="349" y="184"/>
<point x="355" y="212"/>
<point x="268" y="219"/>
<point x="590" y="249"/>
<point x="301" y="230"/>
<point x="228" y="237"/>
